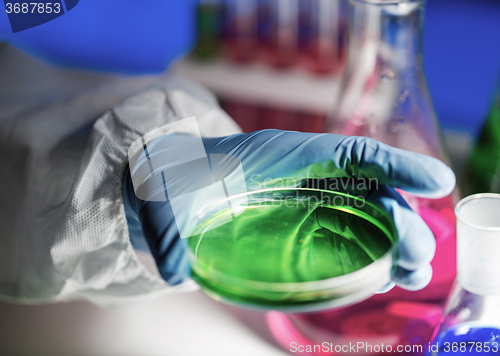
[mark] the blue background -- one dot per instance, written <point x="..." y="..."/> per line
<point x="135" y="36"/>
<point x="461" y="46"/>
<point x="462" y="59"/>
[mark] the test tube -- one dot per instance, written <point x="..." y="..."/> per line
<point x="208" y="29"/>
<point x="263" y="23"/>
<point x="280" y="49"/>
<point x="239" y="29"/>
<point x="305" y="24"/>
<point x="322" y="50"/>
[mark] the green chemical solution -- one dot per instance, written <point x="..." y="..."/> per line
<point x="283" y="244"/>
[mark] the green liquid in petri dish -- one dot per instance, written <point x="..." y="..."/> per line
<point x="279" y="244"/>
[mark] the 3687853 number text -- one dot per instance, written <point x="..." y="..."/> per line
<point x="471" y="346"/>
<point x="33" y="7"/>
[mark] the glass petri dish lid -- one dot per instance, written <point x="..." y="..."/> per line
<point x="293" y="250"/>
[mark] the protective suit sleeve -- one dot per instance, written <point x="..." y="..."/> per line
<point x="63" y="152"/>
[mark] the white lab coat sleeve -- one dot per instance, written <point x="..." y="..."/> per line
<point x="99" y="263"/>
<point x="63" y="230"/>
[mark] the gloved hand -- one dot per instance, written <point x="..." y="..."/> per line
<point x="273" y="154"/>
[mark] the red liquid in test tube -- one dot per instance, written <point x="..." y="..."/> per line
<point x="239" y="30"/>
<point x="323" y="51"/>
<point x="280" y="49"/>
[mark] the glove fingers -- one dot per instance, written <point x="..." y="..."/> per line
<point x="413" y="280"/>
<point x="274" y="154"/>
<point x="417" y="245"/>
<point x="386" y="288"/>
<point x="413" y="172"/>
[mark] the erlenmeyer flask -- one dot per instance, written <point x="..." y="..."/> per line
<point x="471" y="322"/>
<point x="385" y="96"/>
<point x="484" y="168"/>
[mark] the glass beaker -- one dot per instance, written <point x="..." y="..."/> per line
<point x="484" y="167"/>
<point x="297" y="249"/>
<point x="471" y="322"/>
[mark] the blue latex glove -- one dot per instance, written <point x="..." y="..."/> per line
<point x="273" y="154"/>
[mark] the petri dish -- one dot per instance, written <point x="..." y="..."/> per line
<point x="294" y="250"/>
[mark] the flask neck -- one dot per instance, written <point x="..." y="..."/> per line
<point x="386" y="35"/>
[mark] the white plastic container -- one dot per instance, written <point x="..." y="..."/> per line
<point x="478" y="243"/>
